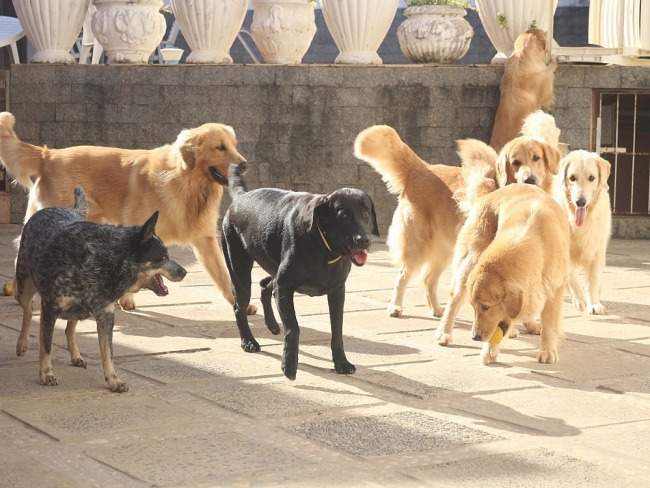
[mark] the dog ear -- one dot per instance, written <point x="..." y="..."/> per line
<point x="188" y="142"/>
<point x="375" y="227"/>
<point x="501" y="167"/>
<point x="149" y="228"/>
<point x="309" y="214"/>
<point x="552" y="158"/>
<point x="513" y="301"/>
<point x="604" y="168"/>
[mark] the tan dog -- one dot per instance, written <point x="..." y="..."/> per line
<point x="526" y="86"/>
<point x="582" y="191"/>
<point x="540" y="124"/>
<point x="425" y="224"/>
<point x="523" y="160"/>
<point x="519" y="239"/>
<point x="184" y="181"/>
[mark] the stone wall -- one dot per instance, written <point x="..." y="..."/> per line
<point x="296" y="124"/>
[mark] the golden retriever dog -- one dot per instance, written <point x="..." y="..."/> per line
<point x="526" y="86"/>
<point x="541" y="124"/>
<point x="184" y="181"/>
<point x="423" y="231"/>
<point x="582" y="191"/>
<point x="524" y="159"/>
<point x="514" y="250"/>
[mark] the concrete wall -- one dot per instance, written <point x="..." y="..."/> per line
<point x="296" y="124"/>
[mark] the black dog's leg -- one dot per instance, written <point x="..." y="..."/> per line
<point x="336" y="300"/>
<point x="105" y="321"/>
<point x="24" y="291"/>
<point x="48" y="319"/>
<point x="267" y="294"/>
<point x="284" y="300"/>
<point x="240" y="265"/>
<point x="71" y="336"/>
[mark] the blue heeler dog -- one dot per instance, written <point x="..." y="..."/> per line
<point x="80" y="269"/>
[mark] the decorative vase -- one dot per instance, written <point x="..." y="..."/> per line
<point x="435" y="34"/>
<point x="283" y="29"/>
<point x="52" y="27"/>
<point x="128" y="30"/>
<point x="210" y="27"/>
<point x="504" y="20"/>
<point x="358" y="27"/>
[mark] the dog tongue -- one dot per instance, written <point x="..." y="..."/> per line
<point x="581" y="213"/>
<point x="359" y="256"/>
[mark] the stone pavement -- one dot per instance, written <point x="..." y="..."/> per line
<point x="201" y="412"/>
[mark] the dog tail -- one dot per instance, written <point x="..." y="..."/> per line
<point x="23" y="161"/>
<point x="381" y="147"/>
<point x="478" y="162"/>
<point x="236" y="183"/>
<point x="80" y="202"/>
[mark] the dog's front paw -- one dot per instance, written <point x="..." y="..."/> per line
<point x="251" y="309"/>
<point x="21" y="348"/>
<point x="437" y="311"/>
<point x="118" y="386"/>
<point x="596" y="309"/>
<point x="578" y="304"/>
<point x="290" y="366"/>
<point x="394" y="311"/>
<point x="443" y="338"/>
<point x="49" y="379"/>
<point x="489" y="353"/>
<point x="250" y="345"/>
<point x="79" y="362"/>
<point x="532" y="328"/>
<point x="548" y="356"/>
<point x="344" y="367"/>
<point x="127" y="303"/>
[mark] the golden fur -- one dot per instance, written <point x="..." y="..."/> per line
<point x="425" y="224"/>
<point x="583" y="193"/>
<point x="526" y="86"/>
<point x="125" y="186"/>
<point x="514" y="248"/>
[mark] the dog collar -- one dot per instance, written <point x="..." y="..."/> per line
<point x="322" y="236"/>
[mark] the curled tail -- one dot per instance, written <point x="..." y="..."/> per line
<point x="381" y="147"/>
<point x="23" y="161"/>
<point x="478" y="162"/>
<point x="80" y="202"/>
<point x="236" y="183"/>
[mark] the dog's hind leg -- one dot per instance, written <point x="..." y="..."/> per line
<point x="24" y="290"/>
<point x="48" y="319"/>
<point x="594" y="273"/>
<point x="395" y="305"/>
<point x="461" y="274"/>
<point x="105" y="321"/>
<point x="267" y="297"/>
<point x="551" y="327"/>
<point x="431" y="278"/>
<point x="210" y="256"/>
<point x="71" y="336"/>
<point x="336" y="300"/>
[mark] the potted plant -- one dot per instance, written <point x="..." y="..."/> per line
<point x="358" y="27"/>
<point x="283" y="29"/>
<point x="504" y="20"/>
<point x="435" y="31"/>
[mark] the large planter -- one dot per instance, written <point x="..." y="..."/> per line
<point x="283" y="29"/>
<point x="128" y="30"/>
<point x="210" y="27"/>
<point x="435" y="34"/>
<point x="52" y="27"/>
<point x="358" y="27"/>
<point x="504" y="20"/>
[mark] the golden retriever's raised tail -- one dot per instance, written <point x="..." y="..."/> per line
<point x="479" y="175"/>
<point x="425" y="224"/>
<point x="23" y="161"/>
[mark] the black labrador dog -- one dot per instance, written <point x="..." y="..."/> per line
<point x="307" y="243"/>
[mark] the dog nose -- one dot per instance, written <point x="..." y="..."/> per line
<point x="362" y="241"/>
<point x="581" y="202"/>
<point x="531" y="180"/>
<point x="477" y="337"/>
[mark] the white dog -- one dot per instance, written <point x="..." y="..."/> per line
<point x="582" y="191"/>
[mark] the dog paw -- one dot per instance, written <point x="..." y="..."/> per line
<point x="596" y="309"/>
<point x="548" y="356"/>
<point x="513" y="332"/>
<point x="437" y="312"/>
<point x="127" y="303"/>
<point x="443" y="338"/>
<point x="79" y="363"/>
<point x="290" y="368"/>
<point x="49" y="380"/>
<point x="489" y="353"/>
<point x="531" y="328"/>
<point x="394" y="311"/>
<point x="251" y="309"/>
<point x="21" y="349"/>
<point x="250" y="345"/>
<point x="578" y="304"/>
<point x="273" y="326"/>
<point x="344" y="367"/>
<point x="118" y="386"/>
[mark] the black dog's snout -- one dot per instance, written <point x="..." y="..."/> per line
<point x="581" y="202"/>
<point x="362" y="241"/>
<point x="531" y="180"/>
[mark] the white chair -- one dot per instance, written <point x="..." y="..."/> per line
<point x="10" y="32"/>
